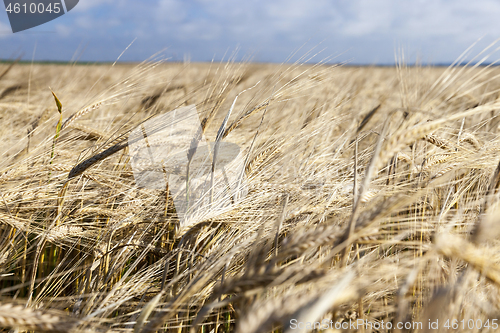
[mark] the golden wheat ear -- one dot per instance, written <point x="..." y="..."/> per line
<point x="19" y="317"/>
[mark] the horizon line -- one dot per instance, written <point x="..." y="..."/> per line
<point x="343" y="64"/>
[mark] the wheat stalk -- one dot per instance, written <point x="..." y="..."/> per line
<point x="82" y="166"/>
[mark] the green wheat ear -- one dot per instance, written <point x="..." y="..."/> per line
<point x="59" y="123"/>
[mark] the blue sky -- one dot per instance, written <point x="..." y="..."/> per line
<point x="356" y="31"/>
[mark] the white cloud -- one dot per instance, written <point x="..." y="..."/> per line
<point x="273" y="27"/>
<point x="283" y="22"/>
<point x="4" y="27"/>
<point x="172" y="11"/>
<point x="85" y="22"/>
<point x="63" y="30"/>
<point x="465" y="20"/>
<point x="5" y="30"/>
<point x="85" y="5"/>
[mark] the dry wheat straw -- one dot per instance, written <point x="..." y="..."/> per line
<point x="115" y="249"/>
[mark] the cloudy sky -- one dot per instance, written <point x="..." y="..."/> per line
<point x="356" y="31"/>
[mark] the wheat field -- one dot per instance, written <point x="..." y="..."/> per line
<point x="371" y="200"/>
